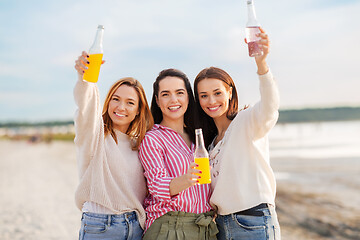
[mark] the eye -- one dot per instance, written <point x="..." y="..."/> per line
<point x="181" y="93"/>
<point x="164" y="94"/>
<point x="203" y="96"/>
<point x="218" y="93"/>
<point x="115" y="99"/>
<point x="131" y="103"/>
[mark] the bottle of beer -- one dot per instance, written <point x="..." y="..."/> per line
<point x="202" y="158"/>
<point x="252" y="28"/>
<point x="95" y="57"/>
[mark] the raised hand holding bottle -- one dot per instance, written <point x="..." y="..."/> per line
<point x="95" y="57"/>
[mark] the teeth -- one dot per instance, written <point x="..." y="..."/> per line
<point x="119" y="115"/>
<point x="174" y="108"/>
<point x="213" y="108"/>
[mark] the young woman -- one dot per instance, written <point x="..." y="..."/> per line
<point x="112" y="186"/>
<point x="177" y="208"/>
<point x="243" y="182"/>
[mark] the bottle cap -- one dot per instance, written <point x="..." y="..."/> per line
<point x="198" y="131"/>
<point x="101" y="26"/>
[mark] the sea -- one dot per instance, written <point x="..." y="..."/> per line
<point x="316" y="140"/>
<point x="323" y="157"/>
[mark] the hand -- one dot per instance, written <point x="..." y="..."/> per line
<point x="82" y="62"/>
<point x="185" y="181"/>
<point x="191" y="176"/>
<point x="264" y="45"/>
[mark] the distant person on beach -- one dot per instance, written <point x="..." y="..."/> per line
<point x="177" y="208"/>
<point x="112" y="185"/>
<point x="243" y="183"/>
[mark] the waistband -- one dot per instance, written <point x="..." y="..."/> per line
<point x="187" y="215"/>
<point x="254" y="211"/>
<point x="126" y="215"/>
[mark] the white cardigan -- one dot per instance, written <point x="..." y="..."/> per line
<point x="111" y="174"/>
<point x="241" y="175"/>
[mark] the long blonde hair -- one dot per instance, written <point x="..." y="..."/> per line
<point x="141" y="123"/>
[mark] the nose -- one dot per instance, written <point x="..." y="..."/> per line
<point x="211" y="99"/>
<point x="173" y="98"/>
<point x="121" y="105"/>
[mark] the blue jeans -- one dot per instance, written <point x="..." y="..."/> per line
<point x="237" y="227"/>
<point x="110" y="227"/>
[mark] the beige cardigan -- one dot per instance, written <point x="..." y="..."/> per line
<point x="244" y="177"/>
<point x="110" y="174"/>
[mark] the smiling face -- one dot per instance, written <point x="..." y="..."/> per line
<point x="214" y="97"/>
<point x="172" y="98"/>
<point x="123" y="107"/>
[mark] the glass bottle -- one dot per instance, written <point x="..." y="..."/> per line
<point x="252" y="28"/>
<point x="95" y="57"/>
<point x="202" y="158"/>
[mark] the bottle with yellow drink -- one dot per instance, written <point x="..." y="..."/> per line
<point x="202" y="158"/>
<point x="95" y="57"/>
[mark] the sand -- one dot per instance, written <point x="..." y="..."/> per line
<point x="317" y="199"/>
<point x="37" y="185"/>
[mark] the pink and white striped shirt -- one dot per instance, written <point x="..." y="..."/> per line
<point x="165" y="155"/>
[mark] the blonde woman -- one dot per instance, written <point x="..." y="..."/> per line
<point x="112" y="186"/>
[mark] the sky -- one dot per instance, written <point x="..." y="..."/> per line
<point x="314" y="49"/>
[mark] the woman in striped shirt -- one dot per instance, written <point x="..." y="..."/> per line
<point x="177" y="207"/>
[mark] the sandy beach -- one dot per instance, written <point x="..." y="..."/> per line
<point x="317" y="198"/>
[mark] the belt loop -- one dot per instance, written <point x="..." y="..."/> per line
<point x="109" y="220"/>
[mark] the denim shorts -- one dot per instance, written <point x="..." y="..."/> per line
<point x="238" y="226"/>
<point x="111" y="227"/>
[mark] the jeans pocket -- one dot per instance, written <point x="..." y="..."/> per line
<point x="94" y="225"/>
<point x="250" y="222"/>
<point x="95" y="228"/>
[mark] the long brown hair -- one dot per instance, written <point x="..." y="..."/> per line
<point x="207" y="123"/>
<point x="143" y="120"/>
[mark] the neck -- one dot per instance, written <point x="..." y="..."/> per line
<point x="176" y="125"/>
<point x="122" y="129"/>
<point x="222" y="123"/>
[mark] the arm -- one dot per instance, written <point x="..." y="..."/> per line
<point x="185" y="181"/>
<point x="160" y="184"/>
<point x="265" y="113"/>
<point x="88" y="119"/>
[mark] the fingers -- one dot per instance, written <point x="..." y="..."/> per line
<point x="193" y="174"/>
<point x="194" y="171"/>
<point x="264" y="42"/>
<point x="81" y="62"/>
<point x="85" y="54"/>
